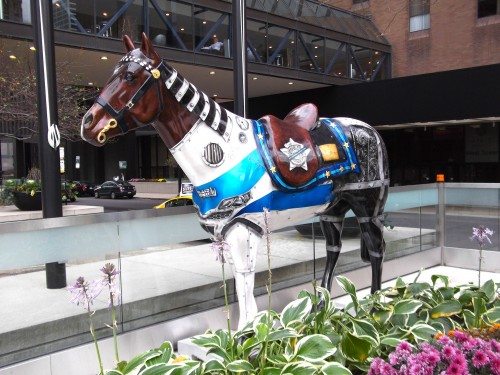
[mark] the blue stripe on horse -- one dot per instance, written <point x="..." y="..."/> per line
<point x="279" y="200"/>
<point x="238" y="180"/>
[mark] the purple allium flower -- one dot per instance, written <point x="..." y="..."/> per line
<point x="109" y="280"/>
<point x="220" y="248"/>
<point x="481" y="235"/>
<point x="84" y="293"/>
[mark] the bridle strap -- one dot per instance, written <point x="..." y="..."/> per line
<point x="119" y="116"/>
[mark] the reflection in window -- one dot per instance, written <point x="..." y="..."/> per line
<point x="280" y="46"/>
<point x="420" y="18"/>
<point x="74" y="15"/>
<point x="173" y="26"/>
<point x="256" y="41"/>
<point x="6" y="159"/>
<point x="311" y="52"/>
<point x="486" y="8"/>
<point x="129" y="23"/>
<point x="16" y="10"/>
<point x="336" y="58"/>
<point x="367" y="61"/>
<point x="211" y="32"/>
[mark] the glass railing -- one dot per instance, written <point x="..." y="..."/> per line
<point x="168" y="269"/>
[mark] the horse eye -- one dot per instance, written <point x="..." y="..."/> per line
<point x="129" y="77"/>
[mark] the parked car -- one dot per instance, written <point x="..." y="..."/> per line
<point x="115" y="189"/>
<point x="83" y="188"/>
<point x="180" y="200"/>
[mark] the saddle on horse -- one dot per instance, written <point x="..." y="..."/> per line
<point x="300" y="151"/>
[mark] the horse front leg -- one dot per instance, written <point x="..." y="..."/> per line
<point x="243" y="246"/>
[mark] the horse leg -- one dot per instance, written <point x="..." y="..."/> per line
<point x="368" y="206"/>
<point x="243" y="245"/>
<point x="331" y="225"/>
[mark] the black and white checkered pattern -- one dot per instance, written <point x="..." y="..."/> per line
<point x="198" y="103"/>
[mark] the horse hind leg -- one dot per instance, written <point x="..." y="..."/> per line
<point x="243" y="246"/>
<point x="331" y="225"/>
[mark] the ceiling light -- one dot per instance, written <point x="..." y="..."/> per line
<point x="204" y="22"/>
<point x="376" y="52"/>
<point x="270" y="47"/>
<point x="215" y="95"/>
<point x="290" y="83"/>
<point x="104" y="57"/>
<point x="316" y="56"/>
<point x="293" y="41"/>
<point x="32" y="48"/>
<point x="105" y="14"/>
<point x="91" y="83"/>
<point x="12" y="57"/>
<point x="254" y="78"/>
<point x="215" y="35"/>
<point x="212" y="73"/>
<point x="167" y="14"/>
<point x="182" y="29"/>
<point x="58" y="5"/>
<point x="315" y="46"/>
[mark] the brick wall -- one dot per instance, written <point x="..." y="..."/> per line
<point x="456" y="38"/>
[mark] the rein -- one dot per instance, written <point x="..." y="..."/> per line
<point x="118" y="117"/>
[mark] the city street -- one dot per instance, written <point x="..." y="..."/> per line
<point x="122" y="204"/>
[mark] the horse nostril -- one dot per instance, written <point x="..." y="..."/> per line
<point x="87" y="120"/>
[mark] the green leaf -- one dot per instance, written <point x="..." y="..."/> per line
<point x="479" y="309"/>
<point x="282" y="334"/>
<point x="314" y="347"/>
<point x="355" y="348"/>
<point x="158" y="369"/>
<point x="447" y="292"/>
<point x="299" y="368"/>
<point x="363" y="327"/>
<point x="417" y="288"/>
<point x="407" y="306"/>
<point x="240" y="366"/>
<point x="296" y="310"/>
<point x="382" y="316"/>
<point x="469" y="319"/>
<point x="493" y="315"/>
<point x="438" y="326"/>
<point x="350" y="289"/>
<point x="262" y="330"/>
<point x="167" y="350"/>
<point x="390" y="341"/>
<point x="445" y="309"/>
<point x="139" y="360"/>
<point x="422" y="332"/>
<point x="335" y="368"/>
<point x="400" y="284"/>
<point x="489" y="290"/>
<point x="444" y="279"/>
<point x="447" y="323"/>
<point x="271" y="371"/>
<point x="213" y="366"/>
<point x="114" y="372"/>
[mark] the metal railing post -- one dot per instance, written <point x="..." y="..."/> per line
<point x="440" y="219"/>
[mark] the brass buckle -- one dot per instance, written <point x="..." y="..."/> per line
<point x="101" y="137"/>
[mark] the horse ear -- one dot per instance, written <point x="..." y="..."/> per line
<point x="129" y="45"/>
<point x="148" y="49"/>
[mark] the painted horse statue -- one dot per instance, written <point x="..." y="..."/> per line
<point x="295" y="168"/>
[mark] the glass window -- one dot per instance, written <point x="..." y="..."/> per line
<point x="180" y="32"/>
<point x="336" y="58"/>
<point x="380" y="58"/>
<point x="16" y="10"/>
<point x="211" y="32"/>
<point x="256" y="41"/>
<point x="74" y="15"/>
<point x="367" y="61"/>
<point x="420" y="18"/>
<point x="311" y="52"/>
<point x="129" y="23"/>
<point x="280" y="46"/>
<point x="486" y="8"/>
<point x="6" y="159"/>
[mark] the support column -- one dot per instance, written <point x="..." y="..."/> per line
<point x="239" y="58"/>
<point x="49" y="137"/>
<point x="441" y="219"/>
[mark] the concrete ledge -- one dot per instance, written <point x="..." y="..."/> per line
<point x="12" y="213"/>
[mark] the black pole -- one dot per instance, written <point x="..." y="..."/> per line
<point x="49" y="137"/>
<point x="239" y="58"/>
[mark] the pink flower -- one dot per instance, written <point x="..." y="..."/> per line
<point x="454" y="369"/>
<point x="480" y="359"/>
<point x="481" y="235"/>
<point x="495" y="365"/>
<point x="448" y="352"/>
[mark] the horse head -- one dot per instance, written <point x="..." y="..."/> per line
<point x="130" y="99"/>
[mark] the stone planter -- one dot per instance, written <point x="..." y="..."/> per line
<point x="27" y="202"/>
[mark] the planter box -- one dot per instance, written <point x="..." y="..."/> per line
<point x="27" y="202"/>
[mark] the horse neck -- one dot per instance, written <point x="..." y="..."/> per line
<point x="184" y="105"/>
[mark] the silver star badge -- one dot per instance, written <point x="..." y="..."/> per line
<point x="296" y="153"/>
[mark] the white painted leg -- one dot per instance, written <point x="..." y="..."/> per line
<point x="244" y="244"/>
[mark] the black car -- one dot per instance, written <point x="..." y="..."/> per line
<point x="115" y="189"/>
<point x="83" y="188"/>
